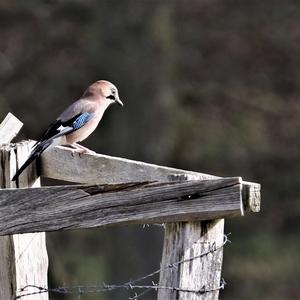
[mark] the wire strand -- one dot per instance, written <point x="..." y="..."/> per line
<point x="133" y="284"/>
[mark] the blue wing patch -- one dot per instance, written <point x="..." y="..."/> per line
<point x="82" y="120"/>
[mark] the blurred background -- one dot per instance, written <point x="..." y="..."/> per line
<point x="208" y="85"/>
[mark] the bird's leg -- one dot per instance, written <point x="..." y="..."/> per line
<point x="79" y="148"/>
<point x="69" y="146"/>
<point x="82" y="149"/>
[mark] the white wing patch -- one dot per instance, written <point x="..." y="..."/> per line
<point x="61" y="128"/>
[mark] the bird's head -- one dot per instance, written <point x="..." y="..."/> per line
<point x="105" y="90"/>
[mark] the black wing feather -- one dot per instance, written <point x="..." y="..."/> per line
<point x="53" y="129"/>
<point x="51" y="133"/>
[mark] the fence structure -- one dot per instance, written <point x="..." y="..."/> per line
<point x="114" y="191"/>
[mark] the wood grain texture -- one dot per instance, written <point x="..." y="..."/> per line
<point x="251" y="196"/>
<point x="66" y="164"/>
<point x="7" y="254"/>
<point x="7" y="268"/>
<point x="71" y="207"/>
<point x="9" y="128"/>
<point x="24" y="258"/>
<point x="183" y="241"/>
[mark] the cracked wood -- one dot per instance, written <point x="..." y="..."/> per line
<point x="23" y="257"/>
<point x="66" y="164"/>
<point x="80" y="206"/>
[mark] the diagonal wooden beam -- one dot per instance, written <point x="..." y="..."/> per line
<point x="86" y="206"/>
<point x="63" y="163"/>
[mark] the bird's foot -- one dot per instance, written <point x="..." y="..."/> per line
<point x="82" y="150"/>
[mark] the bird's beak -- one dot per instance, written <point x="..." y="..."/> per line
<point x="118" y="101"/>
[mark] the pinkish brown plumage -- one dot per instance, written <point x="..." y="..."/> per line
<point x="78" y="121"/>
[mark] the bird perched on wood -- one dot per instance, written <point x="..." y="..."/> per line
<point x="77" y="122"/>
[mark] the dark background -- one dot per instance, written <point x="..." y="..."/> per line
<point x="210" y="86"/>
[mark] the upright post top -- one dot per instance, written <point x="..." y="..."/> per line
<point x="9" y="128"/>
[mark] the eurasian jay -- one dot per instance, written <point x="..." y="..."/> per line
<point x="77" y="122"/>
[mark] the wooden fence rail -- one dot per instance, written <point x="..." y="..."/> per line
<point x="115" y="191"/>
<point x="86" y="206"/>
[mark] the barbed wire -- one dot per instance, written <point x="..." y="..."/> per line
<point x="103" y="287"/>
<point x="133" y="284"/>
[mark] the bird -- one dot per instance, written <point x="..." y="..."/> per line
<point x="76" y="122"/>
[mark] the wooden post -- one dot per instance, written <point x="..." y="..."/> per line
<point x="185" y="241"/>
<point x="9" y="128"/>
<point x="23" y="257"/>
<point x="196" y="245"/>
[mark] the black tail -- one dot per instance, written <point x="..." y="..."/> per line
<point x="36" y="152"/>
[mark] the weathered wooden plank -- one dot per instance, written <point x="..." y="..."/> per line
<point x="7" y="268"/>
<point x="71" y="207"/>
<point x="7" y="254"/>
<point x="66" y="164"/>
<point x="251" y="196"/>
<point x="23" y="258"/>
<point x="9" y="128"/>
<point x="189" y="242"/>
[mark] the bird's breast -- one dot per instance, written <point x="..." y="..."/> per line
<point x="83" y="132"/>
